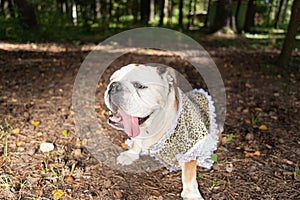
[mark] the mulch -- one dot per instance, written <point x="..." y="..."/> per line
<point x="261" y="161"/>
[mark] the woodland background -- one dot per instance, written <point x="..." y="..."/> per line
<point x="254" y="43"/>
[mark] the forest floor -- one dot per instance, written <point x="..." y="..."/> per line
<point x="263" y="108"/>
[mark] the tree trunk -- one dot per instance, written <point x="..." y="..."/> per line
<point x="290" y="37"/>
<point x="104" y="13"/>
<point x="250" y="16"/>
<point x="284" y="11"/>
<point x="97" y="9"/>
<point x="26" y="14"/>
<point x="207" y="14"/>
<point x="278" y="14"/>
<point x="162" y="12"/>
<point x="145" y="11"/>
<point x="236" y="15"/>
<point x="2" y="9"/>
<point x="152" y="10"/>
<point x="195" y="10"/>
<point x="270" y="12"/>
<point x="180" y="19"/>
<point x="223" y="15"/>
<point x="166" y="8"/>
<point x="190" y="16"/>
<point x="135" y="11"/>
<point x="171" y="11"/>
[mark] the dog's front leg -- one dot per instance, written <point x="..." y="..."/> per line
<point x="129" y="156"/>
<point x="189" y="182"/>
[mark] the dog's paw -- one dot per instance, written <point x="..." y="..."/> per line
<point x="188" y="194"/>
<point x="127" y="157"/>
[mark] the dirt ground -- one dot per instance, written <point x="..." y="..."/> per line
<point x="260" y="162"/>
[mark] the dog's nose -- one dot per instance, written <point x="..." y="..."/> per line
<point x="115" y="87"/>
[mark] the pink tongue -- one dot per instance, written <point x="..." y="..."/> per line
<point x="131" y="124"/>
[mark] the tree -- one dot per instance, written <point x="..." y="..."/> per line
<point x="250" y="15"/>
<point x="26" y="14"/>
<point x="145" y="11"/>
<point x="162" y="12"/>
<point x="208" y="13"/>
<point x="290" y="37"/>
<point x="284" y="12"/>
<point x="180" y="18"/>
<point x="223" y="17"/>
<point x="278" y="11"/>
<point x="152" y="10"/>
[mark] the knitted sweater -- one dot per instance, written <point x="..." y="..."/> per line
<point x="192" y="136"/>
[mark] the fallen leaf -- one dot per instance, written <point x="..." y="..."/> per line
<point x="259" y="109"/>
<point x="247" y="154"/>
<point x="39" y="192"/>
<point x="124" y="146"/>
<point x="248" y="85"/>
<point x="214" y="157"/>
<point x="57" y="194"/>
<point x="250" y="154"/>
<point x="20" y="143"/>
<point x="39" y="134"/>
<point x="70" y="179"/>
<point x="72" y="112"/>
<point x="229" y="167"/>
<point x="14" y="100"/>
<point x="263" y="128"/>
<point x="65" y="133"/>
<point x="247" y="121"/>
<point x="15" y="131"/>
<point x="246" y="110"/>
<point x="35" y="123"/>
<point x="229" y="138"/>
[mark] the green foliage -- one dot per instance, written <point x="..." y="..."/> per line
<point x="55" y="22"/>
<point x="229" y="138"/>
<point x="297" y="172"/>
<point x="254" y="118"/>
<point x="214" y="157"/>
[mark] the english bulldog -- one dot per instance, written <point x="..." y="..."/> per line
<point x="178" y="129"/>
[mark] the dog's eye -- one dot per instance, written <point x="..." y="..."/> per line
<point x="137" y="85"/>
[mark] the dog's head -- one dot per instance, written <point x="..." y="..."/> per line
<point x="137" y="95"/>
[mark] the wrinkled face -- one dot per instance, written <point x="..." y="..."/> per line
<point x="135" y="96"/>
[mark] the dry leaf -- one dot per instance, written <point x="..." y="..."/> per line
<point x="246" y="110"/>
<point x="39" y="192"/>
<point x="20" y="143"/>
<point x="248" y="85"/>
<point x="39" y="134"/>
<point x="259" y="109"/>
<point x="57" y="194"/>
<point x="263" y="128"/>
<point x="250" y="154"/>
<point x="35" y="123"/>
<point x="15" y="131"/>
<point x="124" y="146"/>
<point x="72" y="112"/>
<point x="65" y="133"/>
<point x="70" y="179"/>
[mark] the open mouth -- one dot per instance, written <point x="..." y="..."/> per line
<point x="116" y="119"/>
<point x="121" y="120"/>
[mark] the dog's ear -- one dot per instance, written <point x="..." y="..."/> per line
<point x="167" y="73"/>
